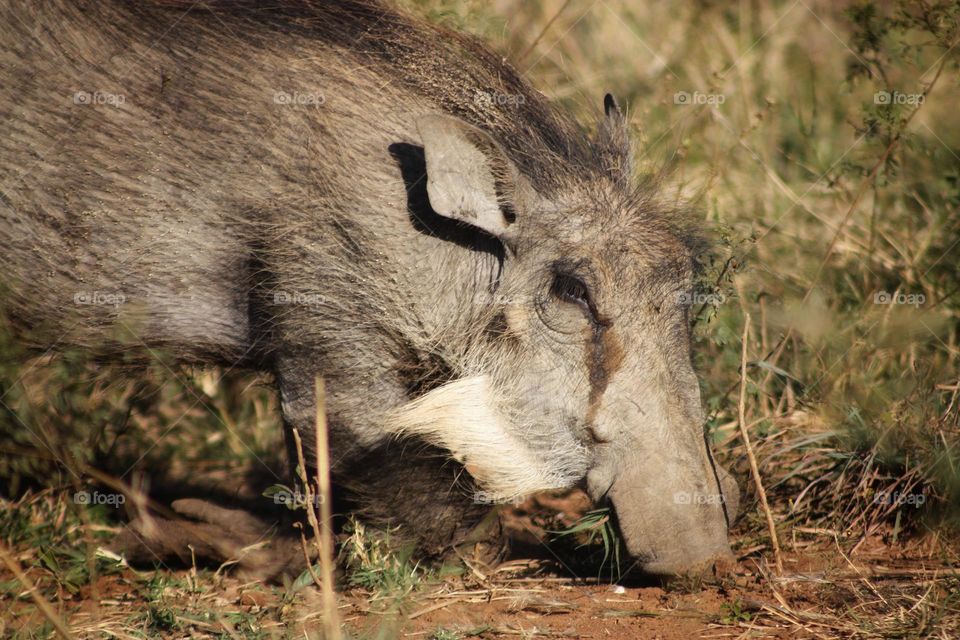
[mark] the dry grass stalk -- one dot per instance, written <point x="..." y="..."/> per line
<point x="323" y="537"/>
<point x="542" y="33"/>
<point x="862" y="189"/>
<point x="306" y="556"/>
<point x="45" y="607"/>
<point x="754" y="468"/>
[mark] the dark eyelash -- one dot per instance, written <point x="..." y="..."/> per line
<point x="572" y="289"/>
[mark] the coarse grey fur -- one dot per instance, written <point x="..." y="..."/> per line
<point x="335" y="188"/>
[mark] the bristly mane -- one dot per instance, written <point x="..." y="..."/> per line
<point x="450" y="68"/>
<point x="456" y="70"/>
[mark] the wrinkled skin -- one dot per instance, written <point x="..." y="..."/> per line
<point x="495" y="307"/>
<point x="613" y="358"/>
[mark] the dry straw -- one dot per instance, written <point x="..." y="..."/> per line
<point x="322" y="535"/>
<point x="45" y="607"/>
<point x="754" y="469"/>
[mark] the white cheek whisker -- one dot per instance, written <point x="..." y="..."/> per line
<point x="462" y="418"/>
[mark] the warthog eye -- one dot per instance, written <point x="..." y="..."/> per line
<point x="570" y="288"/>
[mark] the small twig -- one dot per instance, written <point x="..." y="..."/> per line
<point x="325" y="580"/>
<point x="45" y="607"/>
<point x="643" y="613"/>
<point x="306" y="556"/>
<point x="858" y="574"/>
<point x="754" y="468"/>
<point x="534" y="631"/>
<point x="332" y="617"/>
<point x="543" y="32"/>
<point x="308" y="496"/>
<point x="433" y="607"/>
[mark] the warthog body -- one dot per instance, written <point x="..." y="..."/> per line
<point x="332" y="188"/>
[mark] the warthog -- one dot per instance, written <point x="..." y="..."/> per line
<point x="334" y="188"/>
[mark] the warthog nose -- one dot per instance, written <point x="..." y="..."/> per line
<point x="671" y="532"/>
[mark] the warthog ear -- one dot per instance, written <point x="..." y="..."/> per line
<point x="469" y="177"/>
<point x="613" y="142"/>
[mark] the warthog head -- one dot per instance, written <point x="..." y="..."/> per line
<point x="579" y="365"/>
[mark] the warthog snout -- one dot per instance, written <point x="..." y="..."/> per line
<point x="673" y="504"/>
<point x="674" y="528"/>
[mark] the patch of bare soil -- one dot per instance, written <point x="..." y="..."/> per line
<point x="815" y="598"/>
<point x="531" y="607"/>
<point x="882" y="590"/>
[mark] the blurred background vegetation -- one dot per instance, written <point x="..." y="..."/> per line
<point x="819" y="141"/>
